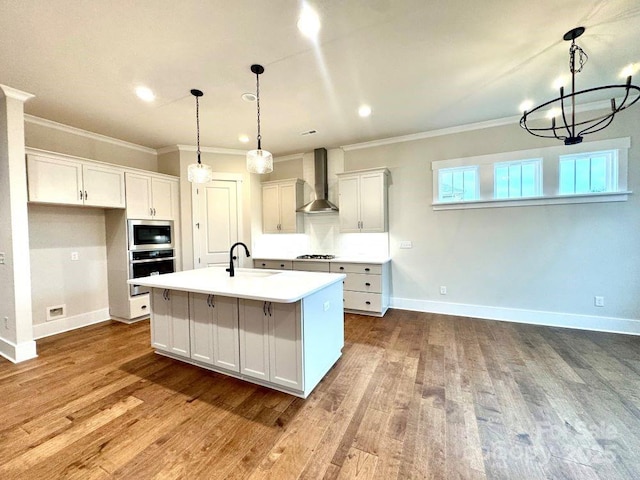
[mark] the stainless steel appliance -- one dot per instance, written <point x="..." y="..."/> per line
<point x="150" y="234"/>
<point x="143" y="263"/>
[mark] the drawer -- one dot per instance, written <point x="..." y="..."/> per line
<point x="338" y="267"/>
<point x="139" y="305"/>
<point x="311" y="266"/>
<point x="361" y="282"/>
<point x="368" y="302"/>
<point x="273" y="264"/>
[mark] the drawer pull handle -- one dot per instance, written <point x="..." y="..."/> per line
<point x="341" y="268"/>
<point x="368" y="302"/>
<point x="143" y="307"/>
<point x="282" y="265"/>
<point x="264" y="264"/>
<point x="367" y="284"/>
<point x="367" y="269"/>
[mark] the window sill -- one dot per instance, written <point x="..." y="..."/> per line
<point x="525" y="202"/>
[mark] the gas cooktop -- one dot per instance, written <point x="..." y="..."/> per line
<point x="317" y="257"/>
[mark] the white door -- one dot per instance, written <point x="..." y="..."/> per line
<point x="103" y="186"/>
<point x="216" y="221"/>
<point x="138" y="189"/>
<point x="161" y="194"/>
<point x="54" y="180"/>
<point x="372" y="202"/>
<point x="270" y="209"/>
<point x="349" y="204"/>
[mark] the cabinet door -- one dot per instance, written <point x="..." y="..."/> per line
<point x="285" y="345"/>
<point x="349" y="204"/>
<point x="54" y="180"/>
<point x="160" y="320"/>
<point x="225" y="334"/>
<point x="162" y="198"/>
<point x="180" y="339"/>
<point x="254" y="339"/>
<point x="138" y="189"/>
<point x="372" y="203"/>
<point x="103" y="186"/>
<point x="270" y="209"/>
<point x="288" y="205"/>
<point x="201" y="320"/>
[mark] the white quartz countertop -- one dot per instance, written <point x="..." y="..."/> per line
<point x="345" y="259"/>
<point x="255" y="284"/>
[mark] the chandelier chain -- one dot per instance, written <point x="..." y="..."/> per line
<point x="582" y="58"/>
<point x="258" y="106"/>
<point x="198" y="127"/>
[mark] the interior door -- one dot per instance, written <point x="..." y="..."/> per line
<point x="216" y="222"/>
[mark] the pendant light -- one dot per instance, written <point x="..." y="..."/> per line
<point x="568" y="129"/>
<point x="259" y="161"/>
<point x="197" y="172"/>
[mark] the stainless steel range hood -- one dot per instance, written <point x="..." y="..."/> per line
<point x="320" y="204"/>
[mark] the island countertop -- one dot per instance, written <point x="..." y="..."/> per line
<point x="254" y="284"/>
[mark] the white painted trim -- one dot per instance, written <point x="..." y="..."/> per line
<point x="534" y="317"/>
<point x="284" y="158"/>
<point x="16" y="94"/>
<point x="43" y="122"/>
<point x="526" y="202"/>
<point x="515" y="120"/>
<point x="41" y="330"/>
<point x="193" y="148"/>
<point x="16" y="353"/>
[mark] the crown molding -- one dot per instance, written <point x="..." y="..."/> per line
<point x="284" y="158"/>
<point x="85" y="133"/>
<point x="192" y="148"/>
<point x="16" y="94"/>
<point x="463" y="128"/>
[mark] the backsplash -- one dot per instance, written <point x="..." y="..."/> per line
<point x="322" y="236"/>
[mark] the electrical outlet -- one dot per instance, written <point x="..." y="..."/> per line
<point x="443" y="290"/>
<point x="74" y="256"/>
<point x="406" y="244"/>
<point x="599" y="301"/>
<point x="1" y="258"/>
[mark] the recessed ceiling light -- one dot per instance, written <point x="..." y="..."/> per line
<point x="249" y="97"/>
<point x="525" y="106"/>
<point x="145" y="94"/>
<point x="309" y="22"/>
<point x="243" y="138"/>
<point x="364" y="111"/>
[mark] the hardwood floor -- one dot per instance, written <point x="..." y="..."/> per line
<point x="414" y="396"/>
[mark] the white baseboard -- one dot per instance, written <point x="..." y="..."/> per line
<point x="17" y="352"/>
<point x="535" y="317"/>
<point x="61" y="325"/>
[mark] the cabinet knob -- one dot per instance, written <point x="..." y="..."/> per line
<point x="264" y="264"/>
<point x="143" y="307"/>
<point x="341" y="268"/>
<point x="368" y="302"/>
<point x="367" y="269"/>
<point x="367" y="284"/>
<point x="282" y="265"/>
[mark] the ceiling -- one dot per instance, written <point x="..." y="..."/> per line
<point x="422" y="65"/>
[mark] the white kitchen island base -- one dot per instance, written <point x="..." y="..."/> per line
<point x="278" y="341"/>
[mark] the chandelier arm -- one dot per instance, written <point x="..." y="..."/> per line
<point x="590" y="128"/>
<point x="564" y="115"/>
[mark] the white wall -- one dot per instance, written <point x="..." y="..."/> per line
<point x="512" y="260"/>
<point x="54" y="233"/>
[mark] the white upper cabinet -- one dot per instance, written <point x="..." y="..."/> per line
<point x="151" y="197"/>
<point x="280" y="200"/>
<point x="68" y="181"/>
<point x="363" y="201"/>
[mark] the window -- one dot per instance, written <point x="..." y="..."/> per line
<point x="518" y="179"/>
<point x="458" y="184"/>
<point x="594" y="172"/>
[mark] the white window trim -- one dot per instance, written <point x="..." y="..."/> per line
<point x="537" y="162"/>
<point x="550" y="178"/>
<point x="461" y="169"/>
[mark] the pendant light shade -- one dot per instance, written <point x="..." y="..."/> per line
<point x="258" y="160"/>
<point x="197" y="172"/>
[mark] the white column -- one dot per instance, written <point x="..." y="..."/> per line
<point x="16" y="323"/>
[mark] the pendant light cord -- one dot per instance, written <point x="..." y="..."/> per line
<point x="198" y="128"/>
<point x="258" y="104"/>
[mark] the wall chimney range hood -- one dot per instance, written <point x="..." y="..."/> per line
<point x="320" y="204"/>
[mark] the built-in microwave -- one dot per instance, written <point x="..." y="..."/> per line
<point x="150" y="234"/>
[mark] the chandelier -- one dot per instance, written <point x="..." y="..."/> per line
<point x="564" y="106"/>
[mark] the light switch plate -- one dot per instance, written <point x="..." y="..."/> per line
<point x="406" y="244"/>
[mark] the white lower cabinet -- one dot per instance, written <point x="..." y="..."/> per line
<point x="213" y="329"/>
<point x="170" y="323"/>
<point x="255" y="339"/>
<point x="271" y="342"/>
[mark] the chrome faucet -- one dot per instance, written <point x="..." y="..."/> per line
<point x="231" y="270"/>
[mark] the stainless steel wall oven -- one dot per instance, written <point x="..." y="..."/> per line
<point x="151" y="250"/>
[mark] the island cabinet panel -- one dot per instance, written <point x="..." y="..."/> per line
<point x="170" y="321"/>
<point x="254" y="339"/>
<point x="214" y="330"/>
<point x="285" y="345"/>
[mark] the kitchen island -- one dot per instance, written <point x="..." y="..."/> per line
<point x="282" y="330"/>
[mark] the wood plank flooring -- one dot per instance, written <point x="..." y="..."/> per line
<point x="414" y="396"/>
